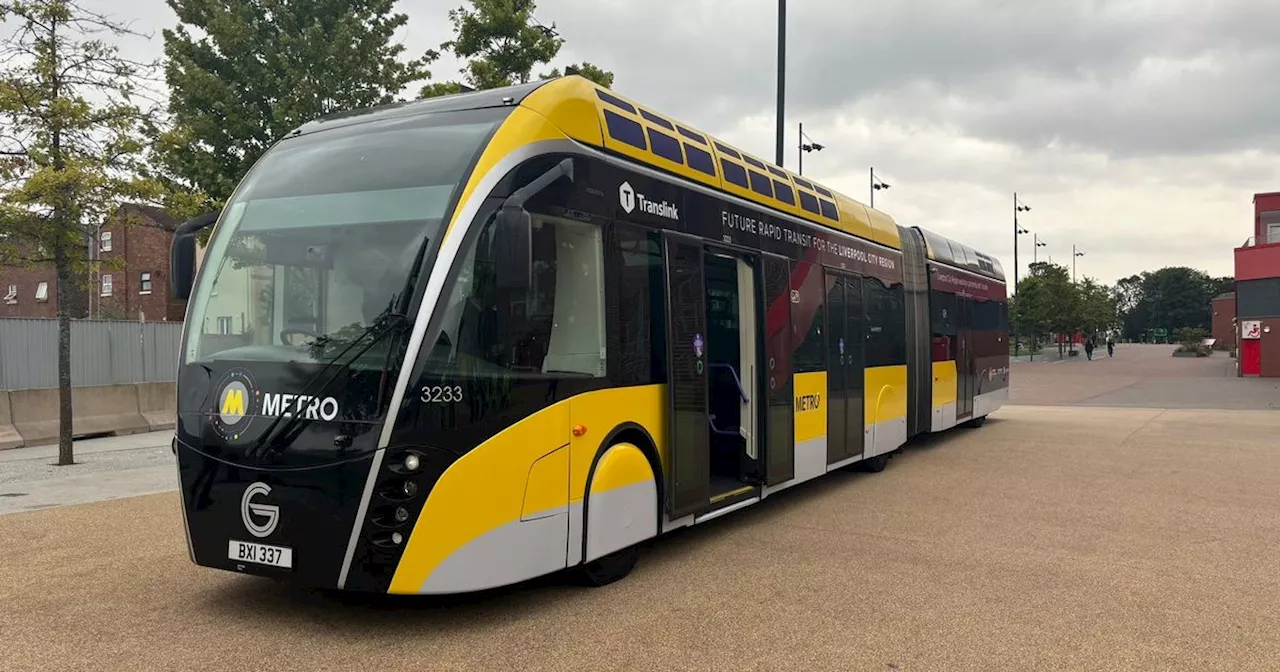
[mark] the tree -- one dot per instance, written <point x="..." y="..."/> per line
<point x="260" y="69"/>
<point x="1097" y="307"/>
<point x="71" y="145"/>
<point x="1047" y="301"/>
<point x="502" y="43"/>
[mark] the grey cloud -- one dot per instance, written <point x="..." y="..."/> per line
<point x="1076" y="72"/>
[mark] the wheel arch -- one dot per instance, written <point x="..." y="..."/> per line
<point x="636" y="435"/>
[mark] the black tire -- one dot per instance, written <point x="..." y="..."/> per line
<point x="604" y="571"/>
<point x="976" y="422"/>
<point x="875" y="464"/>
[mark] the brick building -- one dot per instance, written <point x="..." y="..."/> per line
<point x="1258" y="291"/>
<point x="1223" y="313"/>
<point x="134" y="287"/>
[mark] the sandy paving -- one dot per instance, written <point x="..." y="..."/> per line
<point x="1052" y="538"/>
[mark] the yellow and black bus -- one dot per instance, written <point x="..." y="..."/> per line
<point x="458" y="343"/>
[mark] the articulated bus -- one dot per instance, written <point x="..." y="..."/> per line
<point x="458" y="343"/>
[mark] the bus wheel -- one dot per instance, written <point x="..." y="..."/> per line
<point x="976" y="422"/>
<point x="604" y="571"/>
<point x="875" y="464"/>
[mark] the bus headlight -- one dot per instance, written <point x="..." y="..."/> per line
<point x="411" y="462"/>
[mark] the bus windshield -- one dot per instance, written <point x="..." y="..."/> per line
<point x="322" y="239"/>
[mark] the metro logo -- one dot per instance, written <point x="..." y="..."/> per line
<point x="808" y="402"/>
<point x="233" y="402"/>
<point x="299" y="405"/>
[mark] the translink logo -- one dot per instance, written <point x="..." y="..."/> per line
<point x="630" y="199"/>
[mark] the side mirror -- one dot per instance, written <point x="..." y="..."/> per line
<point x="513" y="248"/>
<point x="182" y="255"/>
<point x="182" y="266"/>
<point x="513" y="233"/>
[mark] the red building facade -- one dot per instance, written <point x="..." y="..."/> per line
<point x="130" y="283"/>
<point x="1257" y="297"/>
<point x="1223" y="310"/>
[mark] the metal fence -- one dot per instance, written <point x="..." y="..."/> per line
<point x="103" y="352"/>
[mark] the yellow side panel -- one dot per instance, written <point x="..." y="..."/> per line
<point x="810" y="406"/>
<point x="853" y="218"/>
<point x="599" y="412"/>
<point x="480" y="492"/>
<point x="523" y="127"/>
<point x="886" y="230"/>
<point x="886" y="393"/>
<point x="548" y="486"/>
<point x="944" y="383"/>
<point x="623" y="465"/>
<point x="569" y="103"/>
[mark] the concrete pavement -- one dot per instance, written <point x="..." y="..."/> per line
<point x="1142" y="376"/>
<point x="107" y="468"/>
<point x="1051" y="539"/>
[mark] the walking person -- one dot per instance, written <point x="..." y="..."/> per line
<point x="1111" y="346"/>
<point x="1088" y="347"/>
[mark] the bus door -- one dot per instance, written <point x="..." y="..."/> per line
<point x="846" y="336"/>
<point x="688" y="475"/>
<point x="778" y="436"/>
<point x="966" y="379"/>
<point x="714" y="355"/>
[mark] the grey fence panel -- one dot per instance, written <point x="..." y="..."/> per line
<point x="91" y="355"/>
<point x="103" y="352"/>
<point x="161" y="346"/>
<point x="27" y="347"/>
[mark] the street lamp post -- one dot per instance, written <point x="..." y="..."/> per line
<point x="782" y="78"/>
<point x="1074" y="254"/>
<point x="810" y="146"/>
<point x="1039" y="244"/>
<point x="876" y="185"/>
<point x="1017" y="231"/>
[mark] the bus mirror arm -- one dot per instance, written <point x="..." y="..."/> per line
<point x="182" y="254"/>
<point x="514" y="232"/>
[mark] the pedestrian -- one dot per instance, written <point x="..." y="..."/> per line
<point x="1111" y="346"/>
<point x="1088" y="347"/>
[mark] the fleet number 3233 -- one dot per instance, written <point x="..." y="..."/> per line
<point x="441" y="394"/>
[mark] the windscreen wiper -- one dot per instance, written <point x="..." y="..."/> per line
<point x="382" y="325"/>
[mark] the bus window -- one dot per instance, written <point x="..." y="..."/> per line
<point x="807" y="317"/>
<point x="552" y="328"/>
<point x="637" y="335"/>
<point x="886" y="324"/>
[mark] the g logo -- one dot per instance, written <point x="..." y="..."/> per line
<point x="627" y="197"/>
<point x="270" y="511"/>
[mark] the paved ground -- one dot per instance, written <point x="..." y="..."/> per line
<point x="1052" y="538"/>
<point x="121" y="466"/>
<point x="1143" y="376"/>
<point x="1097" y="523"/>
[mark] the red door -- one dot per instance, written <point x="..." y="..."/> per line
<point x="1251" y="357"/>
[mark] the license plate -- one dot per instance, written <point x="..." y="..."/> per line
<point x="262" y="554"/>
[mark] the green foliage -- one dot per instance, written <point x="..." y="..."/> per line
<point x="1097" y="307"/>
<point x="1190" y="341"/>
<point x="242" y="73"/>
<point x="590" y="71"/>
<point x="1169" y="297"/>
<point x="71" y="134"/>
<point x="1048" y="302"/>
<point x="71" y="148"/>
<point x="1189" y="336"/>
<point x="501" y="43"/>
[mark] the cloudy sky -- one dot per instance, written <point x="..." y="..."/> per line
<point x="1137" y="130"/>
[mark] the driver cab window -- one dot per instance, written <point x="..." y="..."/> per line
<point x="550" y="327"/>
